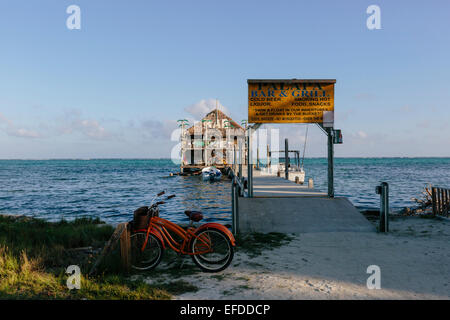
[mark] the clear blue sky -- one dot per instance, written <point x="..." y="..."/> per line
<point x="116" y="87"/>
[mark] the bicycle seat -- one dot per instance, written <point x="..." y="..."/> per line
<point x="195" y="216"/>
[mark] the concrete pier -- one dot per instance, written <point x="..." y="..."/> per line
<point x="279" y="205"/>
<point x="276" y="187"/>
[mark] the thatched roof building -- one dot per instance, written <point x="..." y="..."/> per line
<point x="211" y="141"/>
<point x="214" y="119"/>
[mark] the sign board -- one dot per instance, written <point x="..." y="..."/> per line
<point x="291" y="101"/>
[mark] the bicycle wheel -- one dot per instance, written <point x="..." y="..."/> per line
<point x="212" y="250"/>
<point x="152" y="254"/>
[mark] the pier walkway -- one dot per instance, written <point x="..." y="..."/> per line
<point x="276" y="187"/>
<point x="280" y="205"/>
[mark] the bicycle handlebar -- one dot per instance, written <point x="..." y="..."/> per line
<point x="160" y="202"/>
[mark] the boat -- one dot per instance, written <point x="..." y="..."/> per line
<point x="295" y="172"/>
<point x="211" y="174"/>
<point x="295" y="169"/>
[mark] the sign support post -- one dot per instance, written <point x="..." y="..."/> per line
<point x="330" y="163"/>
<point x="286" y="159"/>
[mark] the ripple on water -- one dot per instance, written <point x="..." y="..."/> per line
<point x="113" y="189"/>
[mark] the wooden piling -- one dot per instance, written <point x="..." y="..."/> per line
<point x="440" y="200"/>
<point x="125" y="248"/>
<point x="111" y="244"/>
<point x="434" y="200"/>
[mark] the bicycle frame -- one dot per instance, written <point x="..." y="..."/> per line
<point x="159" y="227"/>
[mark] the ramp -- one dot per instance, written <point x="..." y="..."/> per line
<point x="300" y="215"/>
<point x="279" y="205"/>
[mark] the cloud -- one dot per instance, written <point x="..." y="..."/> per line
<point x="158" y="129"/>
<point x="201" y="108"/>
<point x="92" y="129"/>
<point x="361" y="134"/>
<point x="11" y="129"/>
<point x="3" y="119"/>
<point x="23" y="133"/>
<point x="73" y="122"/>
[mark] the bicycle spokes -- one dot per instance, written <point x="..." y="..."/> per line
<point x="212" y="250"/>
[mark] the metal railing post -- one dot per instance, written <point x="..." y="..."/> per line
<point x="234" y="206"/>
<point x="249" y="165"/>
<point x="240" y="160"/>
<point x="383" y="191"/>
<point x="234" y="159"/>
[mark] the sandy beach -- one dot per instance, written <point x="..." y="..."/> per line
<point x="414" y="260"/>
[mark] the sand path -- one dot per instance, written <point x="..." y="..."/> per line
<point x="414" y="260"/>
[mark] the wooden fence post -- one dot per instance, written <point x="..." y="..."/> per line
<point x="444" y="201"/>
<point x="125" y="246"/>
<point x="447" y="201"/>
<point x="433" y="200"/>
<point x="110" y="245"/>
<point x="439" y="203"/>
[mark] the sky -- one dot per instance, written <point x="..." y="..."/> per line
<point x="116" y="87"/>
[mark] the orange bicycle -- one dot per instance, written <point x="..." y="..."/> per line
<point x="210" y="245"/>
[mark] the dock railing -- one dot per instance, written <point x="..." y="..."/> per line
<point x="440" y="199"/>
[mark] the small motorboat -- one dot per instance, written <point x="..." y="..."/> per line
<point x="296" y="174"/>
<point x="211" y="174"/>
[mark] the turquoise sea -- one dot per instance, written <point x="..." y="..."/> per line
<point x="112" y="189"/>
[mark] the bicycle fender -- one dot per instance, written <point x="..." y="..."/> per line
<point x="221" y="227"/>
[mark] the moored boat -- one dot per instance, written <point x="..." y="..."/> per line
<point x="211" y="174"/>
<point x="294" y="172"/>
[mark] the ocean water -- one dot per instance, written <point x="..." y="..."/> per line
<point x="113" y="189"/>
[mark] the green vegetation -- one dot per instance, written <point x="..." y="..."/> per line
<point x="34" y="255"/>
<point x="178" y="287"/>
<point x="254" y="244"/>
<point x="218" y="277"/>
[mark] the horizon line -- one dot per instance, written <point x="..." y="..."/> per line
<point x="322" y="157"/>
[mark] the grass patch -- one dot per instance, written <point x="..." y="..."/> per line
<point x="34" y="255"/>
<point x="227" y="292"/>
<point x="244" y="287"/>
<point x="254" y="244"/>
<point x="243" y="278"/>
<point x="177" y="287"/>
<point x="218" y="277"/>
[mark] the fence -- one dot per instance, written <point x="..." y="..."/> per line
<point x="440" y="199"/>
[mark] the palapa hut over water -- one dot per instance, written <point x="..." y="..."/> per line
<point x="211" y="141"/>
